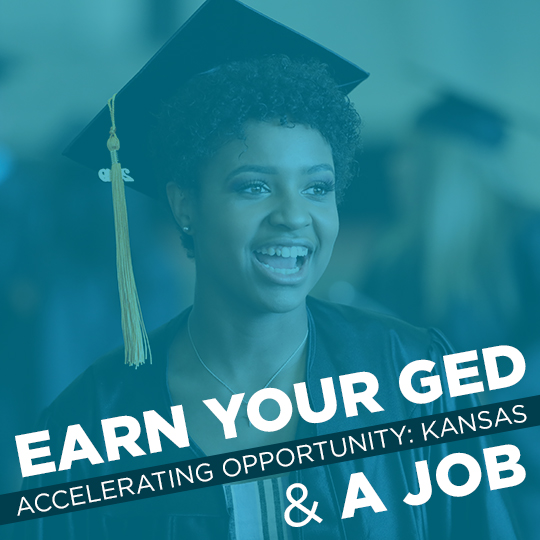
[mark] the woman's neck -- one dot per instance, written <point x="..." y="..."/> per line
<point x="234" y="339"/>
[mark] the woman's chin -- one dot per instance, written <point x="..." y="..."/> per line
<point x="283" y="301"/>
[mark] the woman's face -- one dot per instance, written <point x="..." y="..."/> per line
<point x="264" y="220"/>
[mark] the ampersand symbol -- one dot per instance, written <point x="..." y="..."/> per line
<point x="297" y="503"/>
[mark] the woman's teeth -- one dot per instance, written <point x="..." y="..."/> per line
<point x="295" y="251"/>
<point x="282" y="260"/>
<point x="285" y="271"/>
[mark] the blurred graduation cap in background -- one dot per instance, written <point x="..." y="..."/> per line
<point x="510" y="137"/>
<point x="451" y="113"/>
<point x="220" y="31"/>
<point x="457" y="115"/>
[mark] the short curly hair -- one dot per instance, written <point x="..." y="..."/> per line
<point x="214" y="107"/>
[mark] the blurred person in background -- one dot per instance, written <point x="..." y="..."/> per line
<point x="450" y="256"/>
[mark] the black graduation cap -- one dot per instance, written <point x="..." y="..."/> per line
<point x="220" y="31"/>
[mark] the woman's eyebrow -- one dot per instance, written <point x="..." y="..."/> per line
<point x="251" y="168"/>
<point x="320" y="168"/>
<point x="272" y="170"/>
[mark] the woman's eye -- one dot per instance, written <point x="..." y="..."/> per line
<point x="320" y="189"/>
<point x="254" y="188"/>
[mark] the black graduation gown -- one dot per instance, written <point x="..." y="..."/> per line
<point x="342" y="340"/>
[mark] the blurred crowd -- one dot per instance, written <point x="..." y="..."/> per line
<point x="437" y="231"/>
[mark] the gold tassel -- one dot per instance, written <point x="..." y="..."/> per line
<point x="137" y="346"/>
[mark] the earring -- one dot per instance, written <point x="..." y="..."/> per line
<point x="185" y="229"/>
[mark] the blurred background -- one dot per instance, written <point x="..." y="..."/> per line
<point x="441" y="227"/>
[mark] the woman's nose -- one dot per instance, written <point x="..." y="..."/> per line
<point x="290" y="211"/>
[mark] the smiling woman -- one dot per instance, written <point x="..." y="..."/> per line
<point x="259" y="215"/>
<point x="263" y="223"/>
<point x="255" y="143"/>
<point x="254" y="196"/>
<point x="268" y="211"/>
<point x="266" y="208"/>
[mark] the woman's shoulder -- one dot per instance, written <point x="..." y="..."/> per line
<point x="349" y="340"/>
<point x="374" y="329"/>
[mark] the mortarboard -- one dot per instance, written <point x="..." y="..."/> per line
<point x="219" y="31"/>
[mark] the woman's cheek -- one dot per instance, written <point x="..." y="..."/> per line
<point x="330" y="225"/>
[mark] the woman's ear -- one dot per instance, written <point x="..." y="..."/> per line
<point x="180" y="204"/>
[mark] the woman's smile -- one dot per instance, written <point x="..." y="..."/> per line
<point x="264" y="219"/>
<point x="284" y="262"/>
